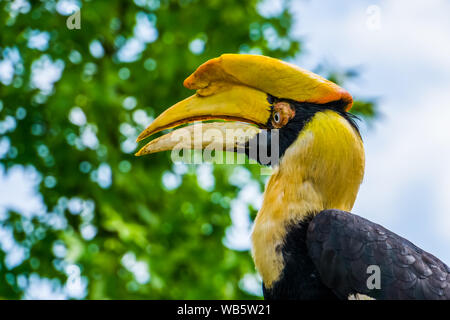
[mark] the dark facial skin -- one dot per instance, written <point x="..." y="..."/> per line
<point x="287" y="120"/>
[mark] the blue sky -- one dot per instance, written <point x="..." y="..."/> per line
<point x="402" y="49"/>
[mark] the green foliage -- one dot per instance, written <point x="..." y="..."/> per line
<point x="106" y="226"/>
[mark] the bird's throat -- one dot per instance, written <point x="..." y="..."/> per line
<point x="321" y="170"/>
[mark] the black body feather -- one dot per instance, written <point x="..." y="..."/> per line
<point x="327" y="257"/>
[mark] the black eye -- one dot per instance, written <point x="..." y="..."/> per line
<point x="276" y="117"/>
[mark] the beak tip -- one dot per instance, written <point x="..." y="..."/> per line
<point x="147" y="149"/>
<point x="141" y="152"/>
<point x="139" y="138"/>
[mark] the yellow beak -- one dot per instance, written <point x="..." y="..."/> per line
<point x="235" y="87"/>
<point x="230" y="103"/>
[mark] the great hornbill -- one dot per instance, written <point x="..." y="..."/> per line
<point x="306" y="243"/>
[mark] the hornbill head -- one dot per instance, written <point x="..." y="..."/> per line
<point x="254" y="92"/>
<point x="320" y="156"/>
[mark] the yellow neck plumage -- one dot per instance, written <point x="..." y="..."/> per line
<point x="321" y="170"/>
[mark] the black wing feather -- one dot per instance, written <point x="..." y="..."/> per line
<point x="343" y="245"/>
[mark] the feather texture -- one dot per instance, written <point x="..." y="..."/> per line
<point x="342" y="246"/>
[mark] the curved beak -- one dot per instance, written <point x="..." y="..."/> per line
<point x="248" y="107"/>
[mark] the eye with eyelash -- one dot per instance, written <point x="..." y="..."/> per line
<point x="276" y="117"/>
<point x="281" y="114"/>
